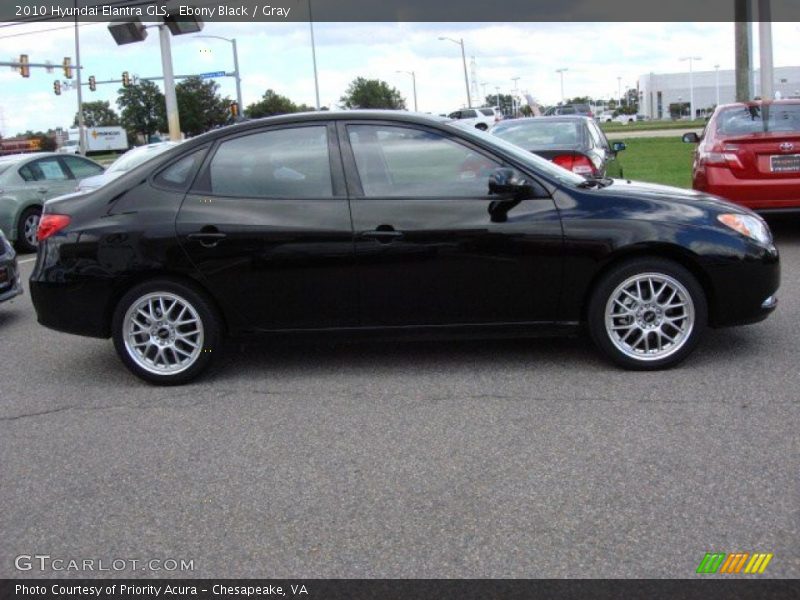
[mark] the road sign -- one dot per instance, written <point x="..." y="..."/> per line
<point x="212" y="74"/>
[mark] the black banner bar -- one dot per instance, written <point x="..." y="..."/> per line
<point x="733" y="588"/>
<point x="478" y="11"/>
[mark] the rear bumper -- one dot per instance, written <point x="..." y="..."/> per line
<point x="758" y="194"/>
<point x="10" y="283"/>
<point x="78" y="308"/>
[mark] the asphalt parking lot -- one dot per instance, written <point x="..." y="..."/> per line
<point x="470" y="459"/>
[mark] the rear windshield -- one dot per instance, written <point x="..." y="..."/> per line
<point x="534" y="133"/>
<point x="759" y="119"/>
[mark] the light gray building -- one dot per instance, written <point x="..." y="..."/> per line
<point x="664" y="95"/>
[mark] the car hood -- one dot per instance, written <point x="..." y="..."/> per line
<point x="653" y="192"/>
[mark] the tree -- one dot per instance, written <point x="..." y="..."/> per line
<point x="372" y="93"/>
<point x="143" y="109"/>
<point x="272" y="103"/>
<point x="200" y="106"/>
<point x="506" y="103"/>
<point x="97" y="114"/>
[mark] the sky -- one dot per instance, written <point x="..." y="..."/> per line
<point x="278" y="56"/>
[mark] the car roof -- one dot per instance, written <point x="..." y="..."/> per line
<point x="549" y="119"/>
<point x="21" y="157"/>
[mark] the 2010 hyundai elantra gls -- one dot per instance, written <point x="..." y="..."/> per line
<point x="396" y="224"/>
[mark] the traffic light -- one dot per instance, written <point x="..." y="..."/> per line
<point x="92" y="83"/>
<point x="57" y="87"/>
<point x="67" y="66"/>
<point x="24" y="69"/>
<point x="126" y="79"/>
<point x="234" y="109"/>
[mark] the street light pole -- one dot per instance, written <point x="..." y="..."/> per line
<point x="499" y="106"/>
<point x="173" y="121"/>
<point x="691" y="60"/>
<point x="561" y="73"/>
<point x="460" y="42"/>
<point x="313" y="53"/>
<point x="514" y="103"/>
<point x="236" y="75"/>
<point x="414" y="85"/>
<point x="81" y="121"/>
<point x="619" y="92"/>
<point x="716" y="68"/>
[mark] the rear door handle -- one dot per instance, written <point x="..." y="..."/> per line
<point x="207" y="239"/>
<point x="383" y="234"/>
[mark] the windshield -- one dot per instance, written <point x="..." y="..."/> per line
<point x="767" y="118"/>
<point x="133" y="158"/>
<point x="536" y="162"/>
<point x="535" y="133"/>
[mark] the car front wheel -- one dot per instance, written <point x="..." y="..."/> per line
<point x="166" y="332"/>
<point x="647" y="314"/>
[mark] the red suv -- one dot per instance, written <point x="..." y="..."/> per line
<point x="749" y="153"/>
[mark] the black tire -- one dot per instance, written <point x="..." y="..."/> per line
<point x="482" y="126"/>
<point x="23" y="245"/>
<point x="204" y="312"/>
<point x="670" y="272"/>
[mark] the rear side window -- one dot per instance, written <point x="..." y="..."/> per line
<point x="281" y="163"/>
<point x="46" y="169"/>
<point x="487" y="111"/>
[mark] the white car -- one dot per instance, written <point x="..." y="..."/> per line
<point x="126" y="162"/>
<point x="480" y="118"/>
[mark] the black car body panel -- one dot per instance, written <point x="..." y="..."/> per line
<point x="353" y="263"/>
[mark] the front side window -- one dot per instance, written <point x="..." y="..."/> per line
<point x="405" y="162"/>
<point x="82" y="168"/>
<point x="281" y="163"/>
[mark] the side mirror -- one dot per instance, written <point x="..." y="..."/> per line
<point x="690" y="138"/>
<point x="618" y="146"/>
<point x="508" y="182"/>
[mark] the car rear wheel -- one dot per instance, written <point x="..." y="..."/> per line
<point x="166" y="332"/>
<point x="647" y="314"/>
<point x="482" y="126"/>
<point x="26" y="229"/>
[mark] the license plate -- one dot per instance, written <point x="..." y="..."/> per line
<point x="784" y="163"/>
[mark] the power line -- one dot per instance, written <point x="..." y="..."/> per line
<point x="13" y="35"/>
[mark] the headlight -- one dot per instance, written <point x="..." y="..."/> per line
<point x="748" y="225"/>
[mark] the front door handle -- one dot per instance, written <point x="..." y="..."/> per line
<point x="383" y="234"/>
<point x="207" y="239"/>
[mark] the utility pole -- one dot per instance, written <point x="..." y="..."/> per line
<point x="173" y="121"/>
<point x="460" y="42"/>
<point x="742" y="14"/>
<point x="561" y="73"/>
<point x="313" y="53"/>
<point x="765" y="49"/>
<point x="716" y="68"/>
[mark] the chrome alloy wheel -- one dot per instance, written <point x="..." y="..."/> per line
<point x="649" y="316"/>
<point x="163" y="333"/>
<point x="30" y="227"/>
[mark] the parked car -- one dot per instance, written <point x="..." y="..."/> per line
<point x="480" y="118"/>
<point x="749" y="153"/>
<point x="10" y="284"/>
<point x="366" y="223"/>
<point x="132" y="158"/>
<point x="575" y="143"/>
<point x="569" y="109"/>
<point x="26" y="181"/>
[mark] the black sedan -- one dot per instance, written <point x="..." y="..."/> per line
<point x="573" y="142"/>
<point x="10" y="285"/>
<point x="388" y="223"/>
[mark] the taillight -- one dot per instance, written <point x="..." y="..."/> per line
<point x="576" y="163"/>
<point x="720" y="156"/>
<point x="50" y="225"/>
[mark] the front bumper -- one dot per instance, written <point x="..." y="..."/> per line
<point x="10" y="283"/>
